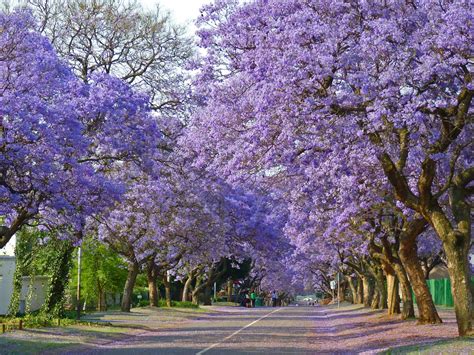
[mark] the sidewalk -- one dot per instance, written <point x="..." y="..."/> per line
<point x="366" y="331"/>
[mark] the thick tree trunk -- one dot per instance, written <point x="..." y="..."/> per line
<point x="152" y="277"/>
<point x="352" y="287"/>
<point x="456" y="244"/>
<point x="375" y="299"/>
<point x="393" y="299"/>
<point x="408" y="309"/>
<point x="424" y="301"/>
<point x="381" y="289"/>
<point x="367" y="290"/>
<point x="167" y="285"/>
<point x="459" y="275"/>
<point x="206" y="296"/>
<point x="197" y="291"/>
<point x="186" y="287"/>
<point x="153" y="290"/>
<point x="342" y="291"/>
<point x="133" y="270"/>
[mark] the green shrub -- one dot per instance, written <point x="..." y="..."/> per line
<point x="179" y="304"/>
<point x="186" y="304"/>
<point x="143" y="303"/>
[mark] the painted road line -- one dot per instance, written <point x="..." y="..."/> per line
<point x="237" y="332"/>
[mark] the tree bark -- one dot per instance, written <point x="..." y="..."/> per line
<point x="375" y="299"/>
<point x="153" y="290"/>
<point x="342" y="291"/>
<point x="167" y="285"/>
<point x="456" y="244"/>
<point x="352" y="287"/>
<point x="459" y="275"/>
<point x="197" y="290"/>
<point x="360" y="291"/>
<point x="152" y="277"/>
<point x="133" y="270"/>
<point x="380" y="287"/>
<point x="187" y="286"/>
<point x="408" y="309"/>
<point x="393" y="299"/>
<point x="367" y="291"/>
<point x="206" y="296"/>
<point x="409" y="258"/>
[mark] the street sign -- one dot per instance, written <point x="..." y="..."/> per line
<point x="333" y="284"/>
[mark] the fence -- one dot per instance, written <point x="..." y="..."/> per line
<point x="440" y="290"/>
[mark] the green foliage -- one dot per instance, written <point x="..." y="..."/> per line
<point x="162" y="303"/>
<point x="41" y="253"/>
<point x="102" y="271"/>
<point x="60" y="267"/>
<point x="143" y="303"/>
<point x="179" y="304"/>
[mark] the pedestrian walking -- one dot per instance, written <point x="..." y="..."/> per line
<point x="247" y="300"/>
<point x="253" y="297"/>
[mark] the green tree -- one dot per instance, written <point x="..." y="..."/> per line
<point x="102" y="272"/>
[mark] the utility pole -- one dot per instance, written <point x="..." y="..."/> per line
<point x="78" y="298"/>
<point x="338" y="288"/>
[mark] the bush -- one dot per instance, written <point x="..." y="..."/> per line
<point x="143" y="303"/>
<point x="179" y="304"/>
<point x="186" y="304"/>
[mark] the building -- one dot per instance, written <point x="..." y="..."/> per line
<point x="33" y="290"/>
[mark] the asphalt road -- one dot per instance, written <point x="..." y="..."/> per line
<point x="289" y="330"/>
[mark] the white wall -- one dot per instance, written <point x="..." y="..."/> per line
<point x="7" y="269"/>
<point x="38" y="291"/>
<point x="9" y="249"/>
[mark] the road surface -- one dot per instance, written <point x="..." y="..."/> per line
<point x="289" y="330"/>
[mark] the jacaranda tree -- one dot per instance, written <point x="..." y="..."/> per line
<point x="371" y="94"/>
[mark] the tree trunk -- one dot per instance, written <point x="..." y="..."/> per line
<point x="360" y="291"/>
<point x="133" y="270"/>
<point x="152" y="277"/>
<point x="197" y="290"/>
<point x="186" y="287"/>
<point x="101" y="300"/>
<point x="153" y="290"/>
<point x="381" y="289"/>
<point x="375" y="299"/>
<point x="393" y="299"/>
<point x="352" y="287"/>
<point x="167" y="285"/>
<point x="456" y="244"/>
<point x="206" y="296"/>
<point x="408" y="309"/>
<point x="424" y="301"/>
<point x="459" y="274"/>
<point x="342" y="291"/>
<point x="367" y="291"/>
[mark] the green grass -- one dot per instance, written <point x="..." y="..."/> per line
<point x="17" y="346"/>
<point x="453" y="346"/>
